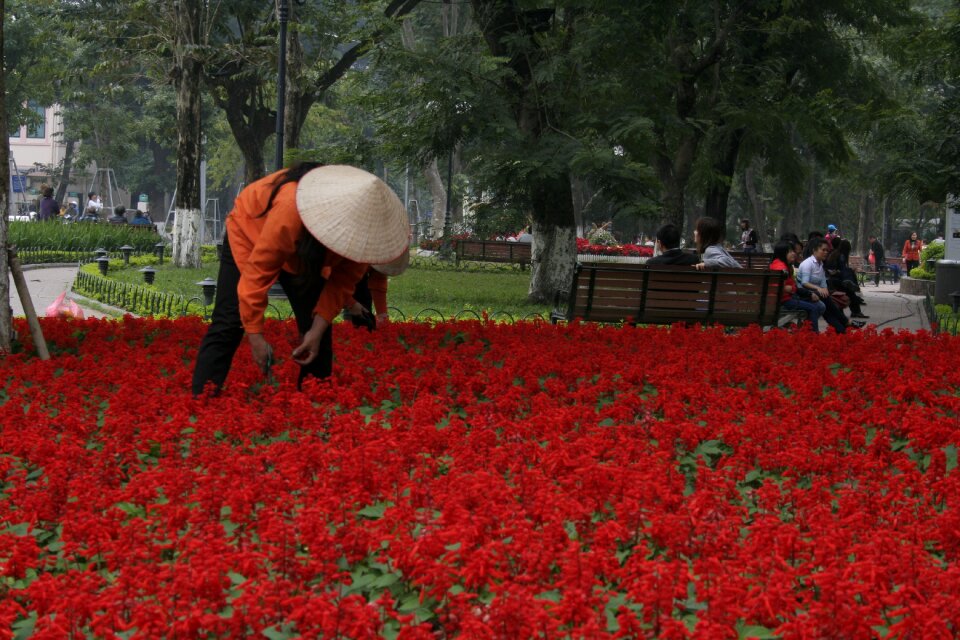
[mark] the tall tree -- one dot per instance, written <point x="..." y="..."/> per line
<point x="187" y="71"/>
<point x="523" y="39"/>
<point x="6" y="320"/>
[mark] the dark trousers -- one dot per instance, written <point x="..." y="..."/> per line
<point x="834" y="316"/>
<point x="226" y="331"/>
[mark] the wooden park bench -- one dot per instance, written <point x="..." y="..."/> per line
<point x="753" y="260"/>
<point x="493" y="251"/>
<point x="643" y="294"/>
<point x="866" y="271"/>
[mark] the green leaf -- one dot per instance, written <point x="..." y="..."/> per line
<point x="551" y="596"/>
<point x="950" y="451"/>
<point x="374" y="511"/>
<point x="23" y="628"/>
<point x="280" y="632"/>
<point x="19" y="530"/>
<point x="386" y="580"/>
<point x="409" y="603"/>
<point x="756" y="631"/>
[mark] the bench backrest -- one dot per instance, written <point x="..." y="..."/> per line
<point x="493" y="251"/>
<point x="664" y="295"/>
<point x="753" y="260"/>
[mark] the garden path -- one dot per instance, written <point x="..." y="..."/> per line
<point x="46" y="283"/>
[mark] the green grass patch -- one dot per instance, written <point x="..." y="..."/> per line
<point x="418" y="290"/>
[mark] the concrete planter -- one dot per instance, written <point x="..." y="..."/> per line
<point x="914" y="287"/>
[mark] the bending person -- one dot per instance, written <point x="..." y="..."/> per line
<point x="371" y="294"/>
<point x="290" y="226"/>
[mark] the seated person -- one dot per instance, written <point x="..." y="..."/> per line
<point x="791" y="298"/>
<point x="118" y="216"/>
<point x="813" y="277"/>
<point x="140" y="218"/>
<point x="668" y="248"/>
<point x="708" y="235"/>
<point x="90" y="214"/>
<point x="840" y="277"/>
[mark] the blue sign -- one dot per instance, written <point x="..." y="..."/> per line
<point x="19" y="183"/>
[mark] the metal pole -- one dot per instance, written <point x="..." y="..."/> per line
<point x="282" y="15"/>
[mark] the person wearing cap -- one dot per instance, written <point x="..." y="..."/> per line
<point x="293" y="226"/>
<point x="832" y="233"/>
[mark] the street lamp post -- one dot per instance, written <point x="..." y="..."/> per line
<point x="283" y="15"/>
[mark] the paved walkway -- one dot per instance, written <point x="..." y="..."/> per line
<point x="886" y="306"/>
<point x="46" y="284"/>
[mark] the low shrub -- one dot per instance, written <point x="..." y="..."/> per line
<point x="56" y="236"/>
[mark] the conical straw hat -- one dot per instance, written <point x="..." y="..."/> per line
<point x="394" y="267"/>
<point x="353" y="213"/>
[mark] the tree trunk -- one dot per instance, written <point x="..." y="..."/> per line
<point x="886" y="231"/>
<point x="724" y="167"/>
<point x="757" y="207"/>
<point x="554" y="250"/>
<point x="187" y="73"/>
<point x="578" y="189"/>
<point x="863" y="225"/>
<point x="6" y="313"/>
<point x="674" y="172"/>
<point x="65" y="171"/>
<point x="439" y="193"/>
<point x="811" y="208"/>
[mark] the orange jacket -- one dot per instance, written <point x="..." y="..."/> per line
<point x="263" y="246"/>
<point x="377" y="282"/>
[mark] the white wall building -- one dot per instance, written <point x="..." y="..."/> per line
<point x="35" y="150"/>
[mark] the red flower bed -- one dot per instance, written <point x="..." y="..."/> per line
<point x="483" y="481"/>
<point x="584" y="246"/>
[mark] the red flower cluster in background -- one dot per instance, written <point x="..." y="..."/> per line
<point x="584" y="246"/>
<point x="479" y="480"/>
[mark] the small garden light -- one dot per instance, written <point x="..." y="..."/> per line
<point x="209" y="286"/>
<point x="100" y="252"/>
<point x="158" y="249"/>
<point x="126" y="250"/>
<point x="149" y="273"/>
<point x="103" y="263"/>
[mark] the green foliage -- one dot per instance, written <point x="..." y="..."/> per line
<point x="933" y="251"/>
<point x="81" y="236"/>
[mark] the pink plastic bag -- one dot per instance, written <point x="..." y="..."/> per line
<point x="64" y="308"/>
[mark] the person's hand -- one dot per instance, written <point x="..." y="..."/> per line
<point x="823" y="293"/>
<point x="262" y="351"/>
<point x="356" y="309"/>
<point x="310" y="346"/>
<point x="700" y="266"/>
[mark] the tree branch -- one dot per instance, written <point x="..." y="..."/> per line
<point x="396" y="9"/>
